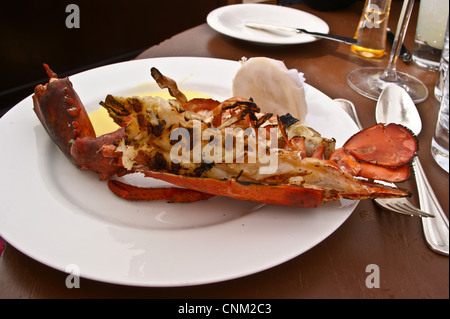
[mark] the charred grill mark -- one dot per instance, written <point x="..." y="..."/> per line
<point x="175" y="168"/>
<point x="288" y="120"/>
<point x="114" y="106"/>
<point x="159" y="162"/>
<point x="262" y="120"/>
<point x="246" y="104"/>
<point x="203" y="168"/>
<point x="239" y="175"/>
<point x="253" y="116"/>
<point x="244" y="112"/>
<point x="232" y="106"/>
<point x="141" y="120"/>
<point x="157" y="130"/>
<point x="136" y="105"/>
<point x="282" y="126"/>
<point x="247" y="183"/>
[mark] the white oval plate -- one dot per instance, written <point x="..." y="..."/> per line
<point x="61" y="216"/>
<point x="230" y="20"/>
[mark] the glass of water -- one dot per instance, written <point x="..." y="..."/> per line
<point x="431" y="26"/>
<point x="439" y="144"/>
<point x="439" y="88"/>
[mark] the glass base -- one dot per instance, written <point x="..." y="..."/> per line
<point x="426" y="56"/>
<point x="368" y="82"/>
<point x="440" y="155"/>
<point x="426" y="64"/>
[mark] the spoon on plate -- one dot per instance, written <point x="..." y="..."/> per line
<point x="396" y="106"/>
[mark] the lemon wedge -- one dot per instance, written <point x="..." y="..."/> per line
<point x="272" y="86"/>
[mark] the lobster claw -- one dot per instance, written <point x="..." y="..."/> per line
<point x="65" y="119"/>
<point x="62" y="113"/>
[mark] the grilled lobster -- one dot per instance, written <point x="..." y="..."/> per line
<point x="193" y="144"/>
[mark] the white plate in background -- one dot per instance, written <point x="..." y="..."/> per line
<point x="230" y="20"/>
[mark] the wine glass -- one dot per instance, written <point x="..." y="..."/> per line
<point x="370" y="81"/>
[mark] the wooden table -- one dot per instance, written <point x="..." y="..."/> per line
<point x="335" y="268"/>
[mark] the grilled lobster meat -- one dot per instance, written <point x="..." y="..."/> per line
<point x="227" y="148"/>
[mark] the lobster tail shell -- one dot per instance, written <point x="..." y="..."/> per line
<point x="392" y="145"/>
<point x="288" y="195"/>
<point x="171" y="194"/>
<point x="378" y="152"/>
<point x="276" y="194"/>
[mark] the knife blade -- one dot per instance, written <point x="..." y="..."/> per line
<point x="269" y="27"/>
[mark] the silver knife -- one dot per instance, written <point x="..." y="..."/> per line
<point x="269" y="27"/>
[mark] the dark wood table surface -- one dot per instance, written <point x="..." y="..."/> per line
<point x="335" y="268"/>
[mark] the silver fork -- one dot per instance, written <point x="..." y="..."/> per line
<point x="401" y="205"/>
<point x="396" y="205"/>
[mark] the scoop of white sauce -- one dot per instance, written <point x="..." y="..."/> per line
<point x="273" y="87"/>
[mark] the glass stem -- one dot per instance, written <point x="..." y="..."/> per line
<point x="390" y="74"/>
